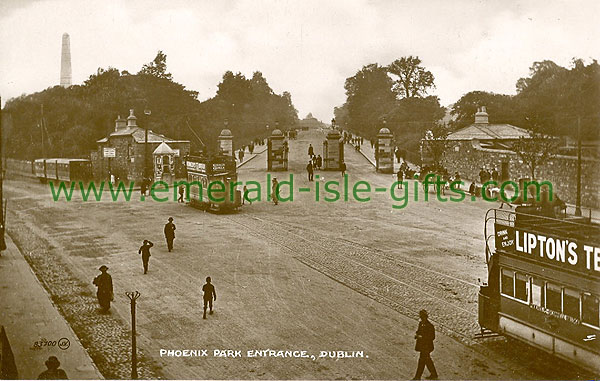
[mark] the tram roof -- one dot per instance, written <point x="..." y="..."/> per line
<point x="577" y="228"/>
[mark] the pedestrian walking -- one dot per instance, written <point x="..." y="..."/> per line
<point x="105" y="288"/>
<point x="311" y="151"/>
<point x="170" y="233"/>
<point x="210" y="294"/>
<point x="314" y="162"/>
<point x="425" y="336"/>
<point x="53" y="371"/>
<point x="310" y="170"/>
<point x="457" y="180"/>
<point x="482" y="175"/>
<point x="343" y="168"/>
<point x="145" y="252"/>
<point x="245" y="198"/>
<point x="181" y="192"/>
<point x="319" y="162"/>
<point x="143" y="188"/>
<point x="274" y="194"/>
<point x="241" y="155"/>
<point x="495" y="174"/>
<point x="400" y="177"/>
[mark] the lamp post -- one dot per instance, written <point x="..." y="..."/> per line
<point x="133" y="296"/>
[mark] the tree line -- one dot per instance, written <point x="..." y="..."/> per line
<point x="67" y="122"/>
<point x="552" y="100"/>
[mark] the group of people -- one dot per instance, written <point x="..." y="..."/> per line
<point x="104" y="282"/>
<point x="485" y="175"/>
<point x="316" y="163"/>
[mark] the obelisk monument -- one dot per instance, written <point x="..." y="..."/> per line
<point x="65" y="61"/>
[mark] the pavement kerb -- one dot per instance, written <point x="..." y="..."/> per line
<point x="77" y="363"/>
<point x="254" y="156"/>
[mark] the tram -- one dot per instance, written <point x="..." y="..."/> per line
<point x="216" y="175"/>
<point x="62" y="170"/>
<point x="543" y="283"/>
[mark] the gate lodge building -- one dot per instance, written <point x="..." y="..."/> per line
<point x="128" y="142"/>
<point x="482" y="144"/>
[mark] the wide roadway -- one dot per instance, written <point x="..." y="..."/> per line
<point x="301" y="275"/>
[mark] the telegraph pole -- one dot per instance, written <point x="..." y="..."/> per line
<point x="578" y="202"/>
<point x="2" y="211"/>
<point x="146" y="172"/>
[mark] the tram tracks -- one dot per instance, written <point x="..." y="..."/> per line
<point x="374" y="274"/>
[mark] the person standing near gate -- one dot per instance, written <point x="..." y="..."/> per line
<point x="210" y="294"/>
<point x="105" y="288"/>
<point x="400" y="176"/>
<point x="170" y="233"/>
<point x="311" y="151"/>
<point x="343" y="168"/>
<point x="145" y="251"/>
<point x="319" y="162"/>
<point x="425" y="336"/>
<point x="310" y="170"/>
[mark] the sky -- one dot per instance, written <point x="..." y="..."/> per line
<point x="306" y="47"/>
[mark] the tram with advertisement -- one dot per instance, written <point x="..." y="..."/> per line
<point x="543" y="283"/>
<point x="213" y="176"/>
<point x="62" y="170"/>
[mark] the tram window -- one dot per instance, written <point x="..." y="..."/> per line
<point x="521" y="287"/>
<point x="553" y="297"/>
<point x="571" y="303"/>
<point x="508" y="287"/>
<point x="590" y="311"/>
<point x="537" y="292"/>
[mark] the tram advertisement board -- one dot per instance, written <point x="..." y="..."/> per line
<point x="548" y="249"/>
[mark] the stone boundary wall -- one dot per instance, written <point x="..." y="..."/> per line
<point x="467" y="157"/>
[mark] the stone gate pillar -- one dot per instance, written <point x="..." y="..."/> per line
<point x="226" y="142"/>
<point x="333" y="151"/>
<point x="384" y="155"/>
<point x="277" y="152"/>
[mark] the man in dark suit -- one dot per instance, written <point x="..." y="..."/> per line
<point x="170" y="233"/>
<point x="425" y="336"/>
<point x="145" y="251"/>
<point x="210" y="294"/>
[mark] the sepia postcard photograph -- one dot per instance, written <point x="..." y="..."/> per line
<point x="299" y="190"/>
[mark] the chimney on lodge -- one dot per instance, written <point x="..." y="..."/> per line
<point x="120" y="123"/>
<point x="481" y="117"/>
<point x="131" y="119"/>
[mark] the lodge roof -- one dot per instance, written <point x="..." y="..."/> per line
<point x="138" y="135"/>
<point x="481" y="131"/>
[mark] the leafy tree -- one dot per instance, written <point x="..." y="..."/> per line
<point x="535" y="150"/>
<point x="369" y="98"/>
<point x="434" y="144"/>
<point x="501" y="108"/>
<point x="413" y="80"/>
<point x="157" y="68"/>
